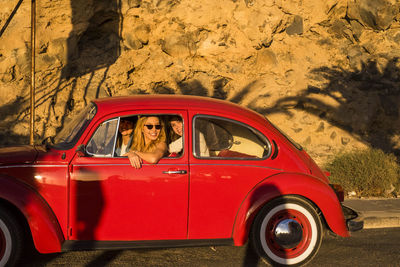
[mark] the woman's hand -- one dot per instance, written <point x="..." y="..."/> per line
<point x="135" y="160"/>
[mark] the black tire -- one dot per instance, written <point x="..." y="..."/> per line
<point x="11" y="239"/>
<point x="287" y="232"/>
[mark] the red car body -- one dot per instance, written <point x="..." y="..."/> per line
<point x="71" y="200"/>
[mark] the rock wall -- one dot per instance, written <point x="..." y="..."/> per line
<point x="327" y="72"/>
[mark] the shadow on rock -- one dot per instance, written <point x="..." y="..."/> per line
<point x="363" y="103"/>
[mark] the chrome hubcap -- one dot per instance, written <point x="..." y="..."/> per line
<point x="288" y="233"/>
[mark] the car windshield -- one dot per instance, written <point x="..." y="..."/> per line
<point x="71" y="132"/>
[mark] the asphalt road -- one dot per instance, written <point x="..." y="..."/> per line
<point x="373" y="247"/>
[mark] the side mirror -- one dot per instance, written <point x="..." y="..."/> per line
<point x="81" y="150"/>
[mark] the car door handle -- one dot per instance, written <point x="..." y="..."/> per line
<point x="175" y="172"/>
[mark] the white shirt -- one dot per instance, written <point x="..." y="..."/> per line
<point x="122" y="150"/>
<point x="176" y="146"/>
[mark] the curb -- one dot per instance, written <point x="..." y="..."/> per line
<point x="372" y="222"/>
<point x="376" y="213"/>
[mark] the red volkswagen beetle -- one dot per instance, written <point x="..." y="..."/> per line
<point x="235" y="177"/>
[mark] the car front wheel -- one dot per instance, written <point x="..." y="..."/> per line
<point x="10" y="239"/>
<point x="287" y="232"/>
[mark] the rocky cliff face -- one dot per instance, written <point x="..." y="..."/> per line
<point x="327" y="72"/>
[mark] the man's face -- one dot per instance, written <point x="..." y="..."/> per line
<point x="125" y="127"/>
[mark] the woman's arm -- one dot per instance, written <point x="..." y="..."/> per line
<point x="136" y="157"/>
<point x="156" y="155"/>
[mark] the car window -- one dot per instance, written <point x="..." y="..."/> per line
<point x="102" y="142"/>
<point x="115" y="137"/>
<point x="222" y="138"/>
<point x="71" y="132"/>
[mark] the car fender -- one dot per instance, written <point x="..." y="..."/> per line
<point x="308" y="187"/>
<point x="45" y="229"/>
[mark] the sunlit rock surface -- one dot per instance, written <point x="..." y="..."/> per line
<point x="327" y="72"/>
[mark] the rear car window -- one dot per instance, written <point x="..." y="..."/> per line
<point x="216" y="137"/>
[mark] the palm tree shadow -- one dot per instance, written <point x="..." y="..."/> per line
<point x="88" y="51"/>
<point x="251" y="259"/>
<point x="95" y="48"/>
<point x="9" y="19"/>
<point x="105" y="258"/>
<point x="363" y="103"/>
<point x="93" y="45"/>
<point x="219" y="89"/>
<point x="98" y="45"/>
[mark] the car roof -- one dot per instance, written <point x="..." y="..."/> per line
<point x="121" y="103"/>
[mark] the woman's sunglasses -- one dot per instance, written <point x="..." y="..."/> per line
<point x="150" y="126"/>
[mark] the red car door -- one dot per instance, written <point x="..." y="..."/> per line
<point x="229" y="158"/>
<point x="111" y="200"/>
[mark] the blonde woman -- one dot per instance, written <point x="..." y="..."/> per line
<point x="148" y="141"/>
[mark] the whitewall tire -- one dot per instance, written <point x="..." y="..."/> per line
<point x="287" y="231"/>
<point x="10" y="239"/>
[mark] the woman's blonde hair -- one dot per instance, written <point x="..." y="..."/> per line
<point x="138" y="137"/>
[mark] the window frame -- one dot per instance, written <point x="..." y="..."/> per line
<point x="115" y="139"/>
<point x="137" y="115"/>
